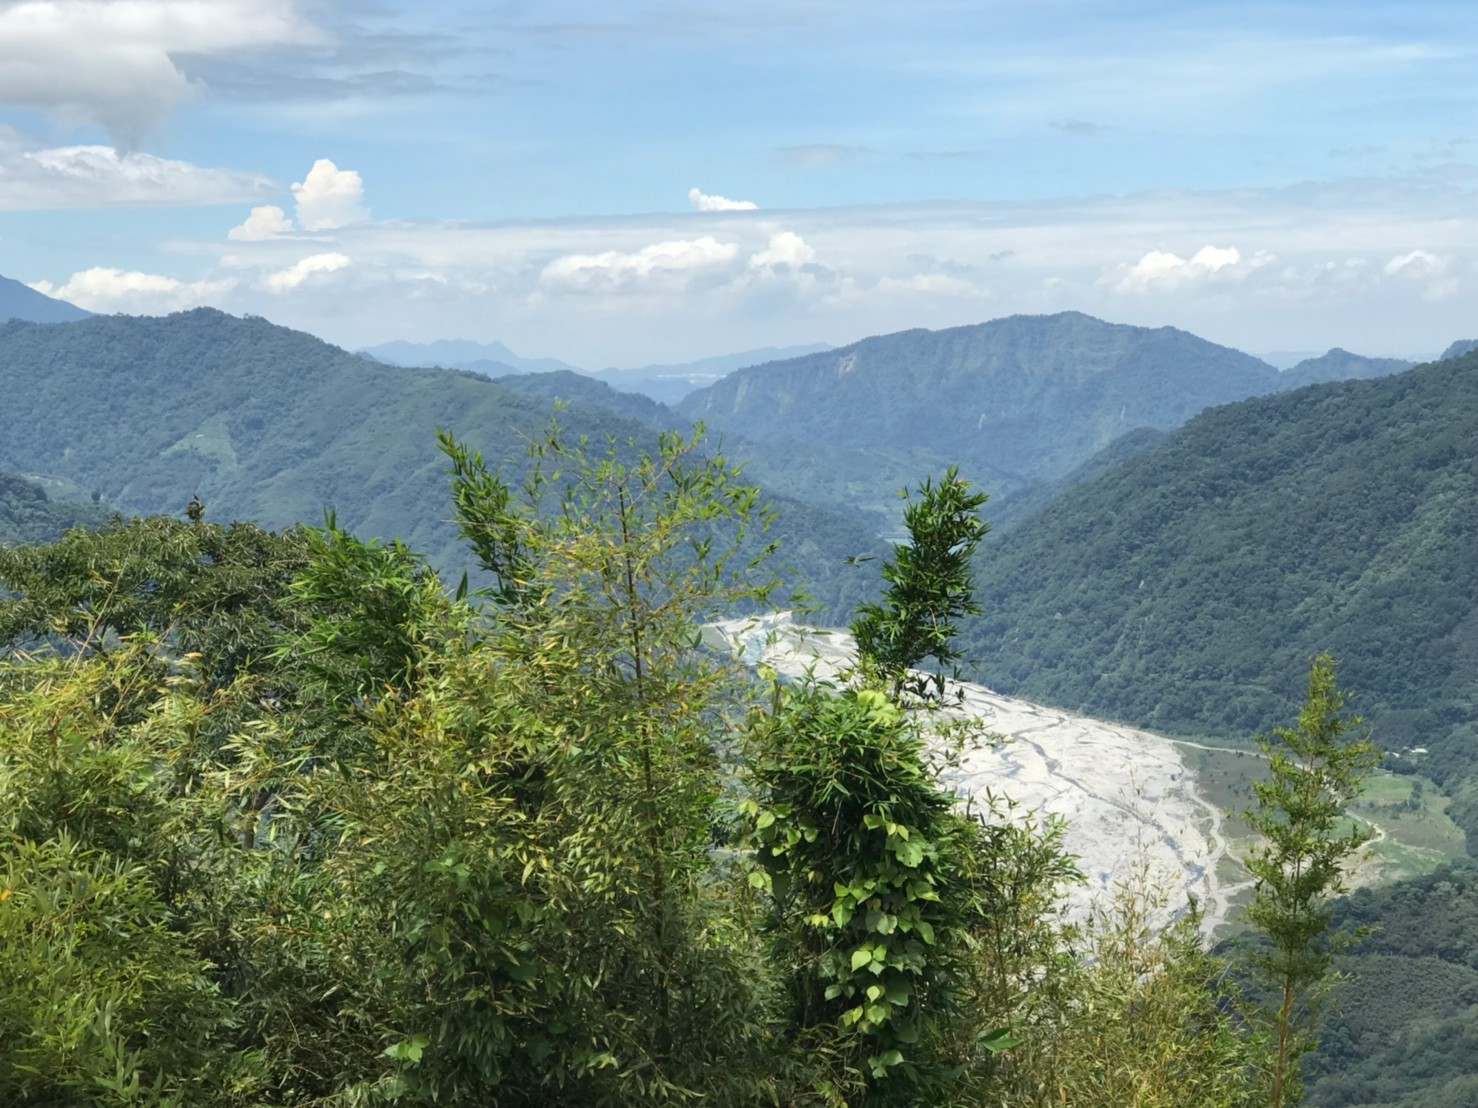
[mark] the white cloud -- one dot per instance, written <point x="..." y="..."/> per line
<point x="101" y="177"/>
<point x="640" y="289"/>
<point x="103" y="289"/>
<point x="284" y="280"/>
<point x="1160" y="269"/>
<point x="786" y="250"/>
<point x="662" y="259"/>
<point x="114" y="62"/>
<point x="702" y="202"/>
<point x="1428" y="270"/>
<point x="329" y="197"/>
<point x="267" y="222"/>
<point x="1416" y="265"/>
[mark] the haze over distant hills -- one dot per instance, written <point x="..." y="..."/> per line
<point x="464" y="354"/>
<point x="665" y="383"/>
<point x="18" y="301"/>
<point x="1340" y="365"/>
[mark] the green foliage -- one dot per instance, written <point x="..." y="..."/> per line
<point x="1140" y="1017"/>
<point x="28" y="514"/>
<point x="1184" y="590"/>
<point x="216" y="590"/>
<point x="283" y="824"/>
<point x="365" y="605"/>
<point x="930" y="585"/>
<point x="106" y="996"/>
<point x="1298" y="867"/>
<point x="863" y="855"/>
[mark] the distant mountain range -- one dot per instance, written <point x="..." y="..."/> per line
<point x="1017" y="402"/>
<point x="274" y="425"/>
<point x="1020" y="403"/>
<point x="492" y="358"/>
<point x="18" y="301"/>
<point x="665" y="383"/>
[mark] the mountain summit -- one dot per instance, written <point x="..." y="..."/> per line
<point x="18" y="301"/>
<point x="1017" y="400"/>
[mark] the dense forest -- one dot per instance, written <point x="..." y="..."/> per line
<point x="28" y="514"/>
<point x="294" y="819"/>
<point x="1406" y="1032"/>
<point x="288" y="822"/>
<point x="1181" y="589"/>
<point x="1019" y="402"/>
<point x="267" y="424"/>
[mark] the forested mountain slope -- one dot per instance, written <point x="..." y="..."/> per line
<point x="1185" y="589"/>
<point x="1015" y="401"/>
<point x="1406" y="1030"/>
<point x="572" y="389"/>
<point x="273" y="425"/>
<point x="29" y="515"/>
<point x="1340" y="365"/>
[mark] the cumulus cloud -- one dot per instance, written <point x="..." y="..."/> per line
<point x="1429" y="270"/>
<point x="115" y="63"/>
<point x="101" y="177"/>
<point x="661" y="259"/>
<point x="266" y="222"/>
<point x="1418" y="265"/>
<point x="285" y="280"/>
<point x="329" y="197"/>
<point x="1160" y="269"/>
<point x="787" y="250"/>
<point x="702" y="202"/>
<point x="104" y="289"/>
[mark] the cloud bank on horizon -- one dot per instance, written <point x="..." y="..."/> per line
<point x="1279" y="178"/>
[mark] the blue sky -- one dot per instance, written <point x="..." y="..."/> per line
<point x="554" y="175"/>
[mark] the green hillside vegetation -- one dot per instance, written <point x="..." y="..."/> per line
<point x="267" y="424"/>
<point x="29" y="515"/>
<point x="1407" y="1030"/>
<point x="573" y="389"/>
<point x="1180" y="590"/>
<point x="1341" y="365"/>
<point x="1020" y="403"/>
<point x="1014" y="401"/>
<point x="1011" y="509"/>
<point x="283" y="822"/>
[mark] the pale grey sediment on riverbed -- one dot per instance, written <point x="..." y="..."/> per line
<point x="1129" y="799"/>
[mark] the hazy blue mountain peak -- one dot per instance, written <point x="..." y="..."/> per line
<point x="18" y="301"/>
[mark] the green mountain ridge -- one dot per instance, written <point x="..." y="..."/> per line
<point x="273" y="425"/>
<point x="1341" y="365"/>
<point x="1020" y="403"/>
<point x="1185" y="589"/>
<point x="1024" y="399"/>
